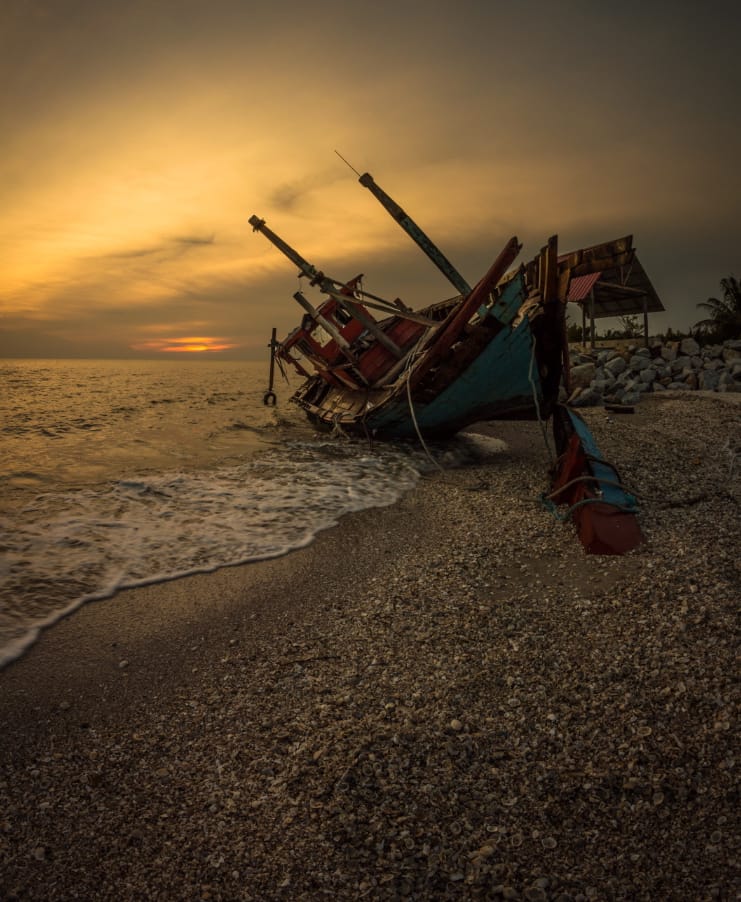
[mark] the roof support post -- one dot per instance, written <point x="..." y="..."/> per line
<point x="591" y="318"/>
<point x="645" y="320"/>
<point x="583" y="324"/>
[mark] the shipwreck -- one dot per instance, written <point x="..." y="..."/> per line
<point x="495" y="350"/>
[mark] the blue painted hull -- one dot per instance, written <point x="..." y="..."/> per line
<point x="497" y="384"/>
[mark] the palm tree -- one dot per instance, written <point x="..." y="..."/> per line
<point x="724" y="321"/>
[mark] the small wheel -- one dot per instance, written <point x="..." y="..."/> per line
<point x="269" y="398"/>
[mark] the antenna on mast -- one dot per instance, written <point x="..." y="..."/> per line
<point x="347" y="164"/>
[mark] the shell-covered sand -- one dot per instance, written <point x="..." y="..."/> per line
<point x="444" y="699"/>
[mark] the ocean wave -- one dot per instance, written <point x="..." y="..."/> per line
<point x="96" y="541"/>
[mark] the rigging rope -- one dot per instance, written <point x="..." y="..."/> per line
<point x="599" y="480"/>
<point x="617" y="508"/>
<point x="414" y="417"/>
<point x="543" y="427"/>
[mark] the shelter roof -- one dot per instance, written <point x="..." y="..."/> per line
<point x="619" y="290"/>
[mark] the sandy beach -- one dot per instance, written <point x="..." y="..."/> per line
<point x="443" y="699"/>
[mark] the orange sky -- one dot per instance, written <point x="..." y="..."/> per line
<point x="138" y="139"/>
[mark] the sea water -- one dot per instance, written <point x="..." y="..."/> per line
<point x="116" y="474"/>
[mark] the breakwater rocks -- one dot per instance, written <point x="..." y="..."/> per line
<point x="623" y="375"/>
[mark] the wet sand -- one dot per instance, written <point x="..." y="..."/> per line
<point x="442" y="699"/>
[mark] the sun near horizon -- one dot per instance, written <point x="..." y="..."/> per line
<point x="185" y="345"/>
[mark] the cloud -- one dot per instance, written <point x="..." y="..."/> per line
<point x="137" y="144"/>
<point x="195" y="241"/>
<point x="131" y="254"/>
<point x="183" y="243"/>
<point x="289" y="196"/>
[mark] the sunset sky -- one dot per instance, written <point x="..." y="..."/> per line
<point x="137" y="138"/>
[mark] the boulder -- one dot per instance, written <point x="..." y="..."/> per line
<point x="708" y="380"/>
<point x="616" y="365"/>
<point x="639" y="362"/>
<point x="579" y="359"/>
<point x="680" y="363"/>
<point x="731" y="386"/>
<point x="602" y="387"/>
<point x="603" y="375"/>
<point x="585" y="397"/>
<point x="582" y="374"/>
<point x="689" y="347"/>
<point x="637" y="386"/>
<point x="630" y="398"/>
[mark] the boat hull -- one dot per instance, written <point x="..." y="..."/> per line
<point x="494" y="370"/>
<point x="602" y="510"/>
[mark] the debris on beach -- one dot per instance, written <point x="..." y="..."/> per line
<point x="603" y="510"/>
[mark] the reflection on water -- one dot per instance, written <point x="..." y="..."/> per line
<point x="81" y="422"/>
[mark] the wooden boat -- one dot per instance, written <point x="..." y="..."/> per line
<point x="602" y="509"/>
<point x="496" y="350"/>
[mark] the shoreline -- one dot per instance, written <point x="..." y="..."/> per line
<point x="470" y="706"/>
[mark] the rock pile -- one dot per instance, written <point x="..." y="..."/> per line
<point x="624" y="375"/>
